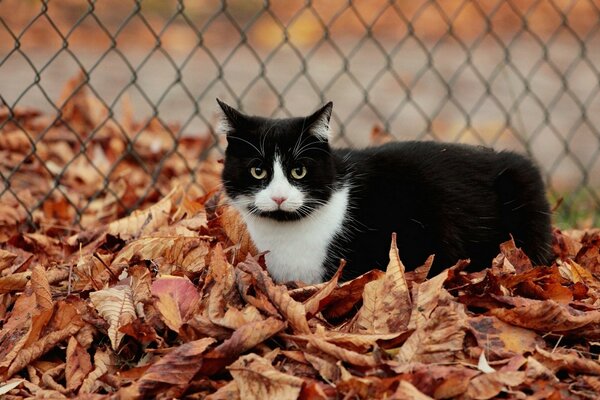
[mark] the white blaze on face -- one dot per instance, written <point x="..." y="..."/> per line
<point x="278" y="189"/>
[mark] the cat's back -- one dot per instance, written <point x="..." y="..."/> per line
<point x="455" y="200"/>
<point x="422" y="157"/>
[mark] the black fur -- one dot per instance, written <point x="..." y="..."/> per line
<point x="451" y="200"/>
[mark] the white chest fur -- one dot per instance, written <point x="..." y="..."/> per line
<point x="298" y="249"/>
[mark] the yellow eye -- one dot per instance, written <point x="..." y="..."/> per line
<point x="258" y="172"/>
<point x="299" y="172"/>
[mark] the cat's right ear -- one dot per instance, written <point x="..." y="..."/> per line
<point x="231" y="118"/>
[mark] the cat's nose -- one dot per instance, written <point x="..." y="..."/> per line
<point x="279" y="200"/>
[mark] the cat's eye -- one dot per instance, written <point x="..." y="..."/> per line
<point x="299" y="172"/>
<point x="258" y="172"/>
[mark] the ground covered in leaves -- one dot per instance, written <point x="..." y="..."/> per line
<point x="172" y="301"/>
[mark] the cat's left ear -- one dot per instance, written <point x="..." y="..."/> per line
<point x="231" y="118"/>
<point x="318" y="122"/>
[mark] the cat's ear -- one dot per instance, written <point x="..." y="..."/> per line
<point x="318" y="122"/>
<point x="231" y="118"/>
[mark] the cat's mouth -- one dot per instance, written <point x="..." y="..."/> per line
<point x="279" y="215"/>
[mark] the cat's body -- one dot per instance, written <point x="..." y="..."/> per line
<point x="315" y="205"/>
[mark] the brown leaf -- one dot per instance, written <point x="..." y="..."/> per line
<point x="326" y="368"/>
<point x="360" y="342"/>
<point x="176" y="368"/>
<point x="344" y="298"/>
<point x="406" y="391"/>
<point x="78" y="364"/>
<point x="550" y="316"/>
<point x="141" y="331"/>
<point x="564" y="245"/>
<point x="487" y="386"/>
<point x="235" y="229"/>
<point x="187" y="252"/>
<point x="386" y="301"/>
<point x="243" y="339"/>
<point x="427" y="296"/>
<point x="115" y="305"/>
<point x="14" y="282"/>
<point x="257" y="379"/>
<point x="293" y="311"/>
<point x="41" y="288"/>
<point x="316" y="302"/>
<point x="501" y="339"/>
<point x="6" y="259"/>
<point x="440" y="338"/>
<point x="567" y="360"/>
<point x="103" y="363"/>
<point x="223" y="297"/>
<point x="42" y="346"/>
<point x="228" y="391"/>
<point x="142" y="222"/>
<point x="340" y="353"/>
<point x="17" y="328"/>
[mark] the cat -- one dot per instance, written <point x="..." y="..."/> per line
<point x="308" y="205"/>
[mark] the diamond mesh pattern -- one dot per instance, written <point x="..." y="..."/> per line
<point x="516" y="74"/>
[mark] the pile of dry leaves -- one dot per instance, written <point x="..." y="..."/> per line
<point x="172" y="301"/>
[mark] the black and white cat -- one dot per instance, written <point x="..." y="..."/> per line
<point x="309" y="205"/>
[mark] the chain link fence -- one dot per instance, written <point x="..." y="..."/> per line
<point x="110" y="101"/>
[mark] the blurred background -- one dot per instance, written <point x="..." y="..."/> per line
<point x="517" y="74"/>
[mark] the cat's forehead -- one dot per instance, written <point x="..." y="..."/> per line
<point x="278" y="136"/>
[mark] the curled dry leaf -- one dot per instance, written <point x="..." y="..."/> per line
<point x="550" y="316"/>
<point x="176" y="368"/>
<point x="293" y="311"/>
<point x="406" y="391"/>
<point x="103" y="363"/>
<point x="41" y="288"/>
<point x="487" y="386"/>
<point x="6" y="259"/>
<point x="187" y="252"/>
<point x="243" y="339"/>
<point x="340" y="353"/>
<point x="142" y="222"/>
<point x="256" y="379"/>
<point x="567" y="360"/>
<point x="235" y="229"/>
<point x="14" y="282"/>
<point x="115" y="305"/>
<point x="78" y="365"/>
<point x="43" y="345"/>
<point x="319" y="299"/>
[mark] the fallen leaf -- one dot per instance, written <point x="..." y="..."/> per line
<point x="256" y="378"/>
<point x="386" y="301"/>
<point x="293" y="311"/>
<point x="550" y="316"/>
<point x="78" y="365"/>
<point x="176" y="368"/>
<point x="501" y="340"/>
<point x="115" y="305"/>
<point x="177" y="297"/>
<point x="406" y="391"/>
<point x="489" y="385"/>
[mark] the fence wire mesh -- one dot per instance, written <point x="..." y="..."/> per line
<point x="130" y="87"/>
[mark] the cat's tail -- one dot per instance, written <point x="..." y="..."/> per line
<point x="524" y="209"/>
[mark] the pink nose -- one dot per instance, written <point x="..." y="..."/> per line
<point x="278" y="200"/>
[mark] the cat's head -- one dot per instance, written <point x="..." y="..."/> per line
<point x="277" y="168"/>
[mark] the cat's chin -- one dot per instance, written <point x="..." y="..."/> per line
<point x="280" y="215"/>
